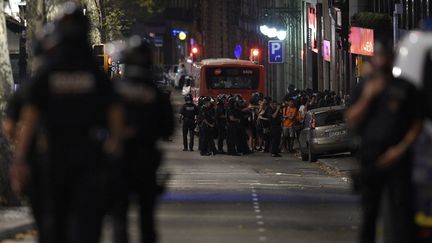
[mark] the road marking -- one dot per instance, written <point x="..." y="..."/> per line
<point x="255" y="200"/>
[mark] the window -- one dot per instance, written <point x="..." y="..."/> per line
<point x="329" y="118"/>
<point x="232" y="78"/>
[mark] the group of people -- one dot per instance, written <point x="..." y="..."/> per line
<point x="84" y="143"/>
<point x="260" y="124"/>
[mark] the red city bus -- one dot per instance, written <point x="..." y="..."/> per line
<point x="227" y="76"/>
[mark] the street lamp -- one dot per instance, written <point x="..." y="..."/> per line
<point x="277" y="15"/>
<point x="273" y="32"/>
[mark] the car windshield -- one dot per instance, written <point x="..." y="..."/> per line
<point x="331" y="117"/>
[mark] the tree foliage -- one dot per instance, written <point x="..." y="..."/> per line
<point x="122" y="14"/>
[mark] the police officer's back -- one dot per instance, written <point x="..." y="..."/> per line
<point x="149" y="117"/>
<point x="72" y="100"/>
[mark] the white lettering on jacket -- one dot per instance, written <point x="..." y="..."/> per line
<point x="66" y="83"/>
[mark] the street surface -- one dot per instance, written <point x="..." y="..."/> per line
<point x="254" y="198"/>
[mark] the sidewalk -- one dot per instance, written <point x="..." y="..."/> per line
<point x="14" y="220"/>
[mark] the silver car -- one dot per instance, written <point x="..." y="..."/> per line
<point x="324" y="132"/>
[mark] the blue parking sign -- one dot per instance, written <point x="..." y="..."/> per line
<point x="275" y="51"/>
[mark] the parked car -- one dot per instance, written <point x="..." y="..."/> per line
<point x="324" y="132"/>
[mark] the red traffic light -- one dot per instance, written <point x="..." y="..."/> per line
<point x="195" y="50"/>
<point x="255" y="52"/>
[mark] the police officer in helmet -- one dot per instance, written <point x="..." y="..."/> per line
<point x="149" y="118"/>
<point x="233" y="128"/>
<point x="188" y="114"/>
<point x="221" y="121"/>
<point x="71" y="100"/>
<point x="206" y="132"/>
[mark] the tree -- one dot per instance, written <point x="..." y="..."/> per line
<point x="35" y="19"/>
<point x="6" y="78"/>
<point x="93" y="10"/>
<point x="6" y="87"/>
<point x="122" y="14"/>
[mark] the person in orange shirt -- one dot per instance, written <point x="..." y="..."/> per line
<point x="290" y="116"/>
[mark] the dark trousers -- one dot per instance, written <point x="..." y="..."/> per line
<point x="147" y="204"/>
<point x="266" y="137"/>
<point x="243" y="141"/>
<point x="222" y="134"/>
<point x="275" y="138"/>
<point x="188" y="127"/>
<point x="72" y="208"/>
<point x="138" y="181"/>
<point x="206" y="140"/>
<point x="232" y="138"/>
<point x="395" y="184"/>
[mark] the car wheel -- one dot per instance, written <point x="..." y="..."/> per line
<point x="312" y="156"/>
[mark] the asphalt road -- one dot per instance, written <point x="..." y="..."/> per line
<point x="256" y="198"/>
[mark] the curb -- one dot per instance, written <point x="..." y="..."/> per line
<point x="331" y="169"/>
<point x="11" y="233"/>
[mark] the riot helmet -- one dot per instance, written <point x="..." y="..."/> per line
<point x="71" y="25"/>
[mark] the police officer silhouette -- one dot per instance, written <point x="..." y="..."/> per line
<point x="188" y="115"/>
<point x="71" y="100"/>
<point x="149" y="118"/>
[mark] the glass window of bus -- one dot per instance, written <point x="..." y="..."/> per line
<point x="232" y="78"/>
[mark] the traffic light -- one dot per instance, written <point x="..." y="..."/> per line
<point x="195" y="50"/>
<point x="255" y="55"/>
<point x="194" y="53"/>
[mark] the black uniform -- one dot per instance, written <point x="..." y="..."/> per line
<point x="389" y="118"/>
<point x="275" y="130"/>
<point x="189" y="111"/>
<point x="246" y="125"/>
<point x="73" y="98"/>
<point x="221" y="123"/>
<point x="150" y="116"/>
<point x="206" y="132"/>
<point x="233" y="131"/>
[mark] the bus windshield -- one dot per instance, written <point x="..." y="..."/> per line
<point x="232" y="78"/>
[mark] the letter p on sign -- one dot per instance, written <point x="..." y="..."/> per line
<point x="275" y="47"/>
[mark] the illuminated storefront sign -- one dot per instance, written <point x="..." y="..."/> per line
<point x="362" y="41"/>
<point x="312" y="29"/>
<point x="326" y="51"/>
